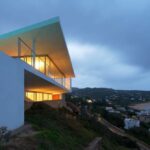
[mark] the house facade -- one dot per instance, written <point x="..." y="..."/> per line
<point x="35" y="66"/>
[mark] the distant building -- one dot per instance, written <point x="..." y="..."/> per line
<point x="144" y="118"/>
<point x="116" y="111"/>
<point x="131" y="123"/>
<point x="130" y="110"/>
<point x="108" y="108"/>
<point x="121" y="108"/>
<point x="111" y="110"/>
<point x="143" y="112"/>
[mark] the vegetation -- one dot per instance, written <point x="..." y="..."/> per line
<point x="114" y="118"/>
<point x="145" y="125"/>
<point x="118" y="120"/>
<point x="118" y="97"/>
<point x="110" y="141"/>
<point x="141" y="133"/>
<point x="58" y="129"/>
<point x="115" y="96"/>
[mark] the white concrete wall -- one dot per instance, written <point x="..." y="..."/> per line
<point x="11" y="92"/>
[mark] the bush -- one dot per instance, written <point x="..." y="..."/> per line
<point x="4" y="135"/>
<point x="141" y="133"/>
<point x="110" y="140"/>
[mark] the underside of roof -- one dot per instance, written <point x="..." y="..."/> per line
<point x="49" y="40"/>
<point x="36" y="84"/>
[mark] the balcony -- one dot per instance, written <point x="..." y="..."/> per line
<point x="46" y="66"/>
<point x="42" y="63"/>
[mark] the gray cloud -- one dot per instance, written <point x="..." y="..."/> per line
<point x="116" y="30"/>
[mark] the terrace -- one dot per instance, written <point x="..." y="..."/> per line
<point x="42" y="63"/>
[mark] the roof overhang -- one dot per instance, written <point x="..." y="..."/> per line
<point x="49" y="39"/>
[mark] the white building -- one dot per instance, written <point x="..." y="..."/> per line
<point x="131" y="123"/>
<point x="108" y="108"/>
<point x="123" y="109"/>
<point x="143" y="112"/>
<point x="111" y="110"/>
<point x="35" y="66"/>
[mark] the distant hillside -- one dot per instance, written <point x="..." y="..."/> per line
<point x="111" y="94"/>
<point x="96" y="93"/>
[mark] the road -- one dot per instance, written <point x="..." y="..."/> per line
<point x="121" y="132"/>
<point x="95" y="144"/>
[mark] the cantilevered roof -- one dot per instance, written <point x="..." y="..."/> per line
<point x="49" y="40"/>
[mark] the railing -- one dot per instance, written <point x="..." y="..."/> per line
<point x="42" y="63"/>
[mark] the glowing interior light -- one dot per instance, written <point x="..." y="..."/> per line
<point x="37" y="96"/>
<point x="47" y="67"/>
<point x="39" y="65"/>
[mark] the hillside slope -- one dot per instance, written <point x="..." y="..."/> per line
<point x="59" y="130"/>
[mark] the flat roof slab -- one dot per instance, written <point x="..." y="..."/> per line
<point x="49" y="39"/>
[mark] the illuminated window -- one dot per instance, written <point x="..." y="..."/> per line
<point x="45" y="96"/>
<point x="30" y="95"/>
<point x="49" y="96"/>
<point x="56" y="96"/>
<point x="40" y="64"/>
<point x="36" y="96"/>
<point x="45" y="65"/>
<point x="29" y="60"/>
<point x="67" y="83"/>
<point x="39" y="97"/>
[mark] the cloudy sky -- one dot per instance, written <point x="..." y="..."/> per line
<point x="108" y="40"/>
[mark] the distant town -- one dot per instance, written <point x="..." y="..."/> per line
<point x="128" y="110"/>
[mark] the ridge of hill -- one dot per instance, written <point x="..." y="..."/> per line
<point x="121" y="96"/>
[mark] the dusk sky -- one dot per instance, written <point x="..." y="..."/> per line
<point x="108" y="40"/>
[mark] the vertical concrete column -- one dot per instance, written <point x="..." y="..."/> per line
<point x="19" y="47"/>
<point x="33" y="51"/>
<point x="11" y="92"/>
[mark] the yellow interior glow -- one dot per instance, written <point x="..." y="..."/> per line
<point x="47" y="67"/>
<point x="36" y="96"/>
<point x="39" y="65"/>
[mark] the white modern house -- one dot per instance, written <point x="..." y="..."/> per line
<point x="34" y="66"/>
